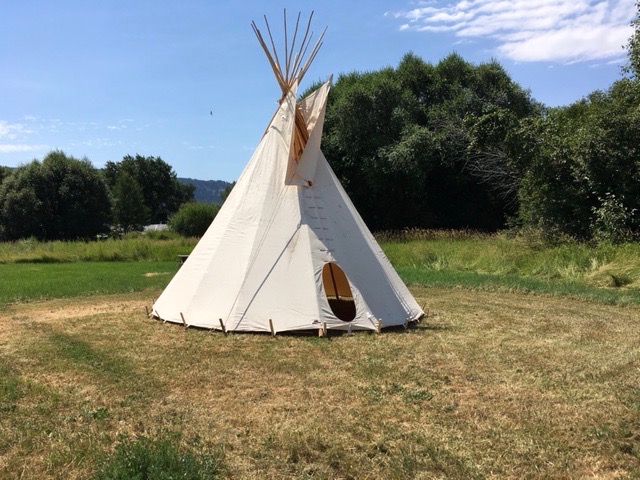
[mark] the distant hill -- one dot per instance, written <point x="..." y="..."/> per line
<point x="206" y="190"/>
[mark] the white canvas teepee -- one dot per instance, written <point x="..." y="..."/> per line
<point x="288" y="250"/>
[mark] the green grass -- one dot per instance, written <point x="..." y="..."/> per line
<point x="158" y="458"/>
<point x="33" y="281"/>
<point x="605" y="273"/>
<point x="11" y="388"/>
<point x="131" y="248"/>
<point x="517" y="283"/>
<point x="78" y="353"/>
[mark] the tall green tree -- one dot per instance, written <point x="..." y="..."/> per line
<point x="162" y="191"/>
<point x="427" y="145"/>
<point x="129" y="210"/>
<point x="4" y="173"/>
<point x="633" y="47"/>
<point x="582" y="177"/>
<point x="59" y="198"/>
<point x="20" y="208"/>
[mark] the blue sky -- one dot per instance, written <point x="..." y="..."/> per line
<point x="104" y="79"/>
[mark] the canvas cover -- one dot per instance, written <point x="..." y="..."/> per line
<point x="260" y="264"/>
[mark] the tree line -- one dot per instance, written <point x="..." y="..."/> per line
<point x="64" y="198"/>
<point x="456" y="145"/>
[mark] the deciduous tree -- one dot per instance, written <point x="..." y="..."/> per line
<point x="162" y="191"/>
<point x="427" y="145"/>
<point x="59" y="198"/>
<point x="129" y="211"/>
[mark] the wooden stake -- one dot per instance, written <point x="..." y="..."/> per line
<point x="273" y="332"/>
<point x="322" y="331"/>
<point x="183" y="321"/>
<point x="146" y="309"/>
<point x="224" y="330"/>
<point x="349" y="330"/>
<point x="406" y="324"/>
<point x="379" y="326"/>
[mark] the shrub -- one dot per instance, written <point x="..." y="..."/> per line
<point x="162" y="235"/>
<point x="192" y="219"/>
<point x="157" y="459"/>
<point x="612" y="220"/>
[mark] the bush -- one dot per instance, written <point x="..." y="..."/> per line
<point x="157" y="459"/>
<point x="192" y="219"/>
<point x="612" y="220"/>
<point x="162" y="235"/>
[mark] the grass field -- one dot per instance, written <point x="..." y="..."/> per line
<point x="597" y="272"/>
<point x="490" y="385"/>
<point x="526" y="367"/>
<point x="602" y="273"/>
<point x="36" y="281"/>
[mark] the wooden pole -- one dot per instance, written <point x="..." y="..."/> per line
<point x="273" y="332"/>
<point x="303" y="46"/>
<point x="291" y="69"/>
<point x="183" y="321"/>
<point x="273" y="45"/>
<point x="312" y="55"/>
<point x="286" y="45"/>
<point x="146" y="309"/>
<point x="224" y="330"/>
<point x="293" y="46"/>
<point x="379" y="326"/>
<point x="272" y="62"/>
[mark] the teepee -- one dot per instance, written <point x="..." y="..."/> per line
<point x="288" y="250"/>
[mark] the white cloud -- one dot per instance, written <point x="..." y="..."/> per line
<point x="543" y="30"/>
<point x="16" y="133"/>
<point x="11" y="131"/>
<point x="36" y="134"/>
<point x="12" y="148"/>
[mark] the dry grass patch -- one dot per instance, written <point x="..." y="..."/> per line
<point x="491" y="385"/>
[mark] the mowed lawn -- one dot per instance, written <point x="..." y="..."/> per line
<point x="489" y="385"/>
<point x="28" y="281"/>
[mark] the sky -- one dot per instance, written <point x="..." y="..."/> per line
<point x="188" y="82"/>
